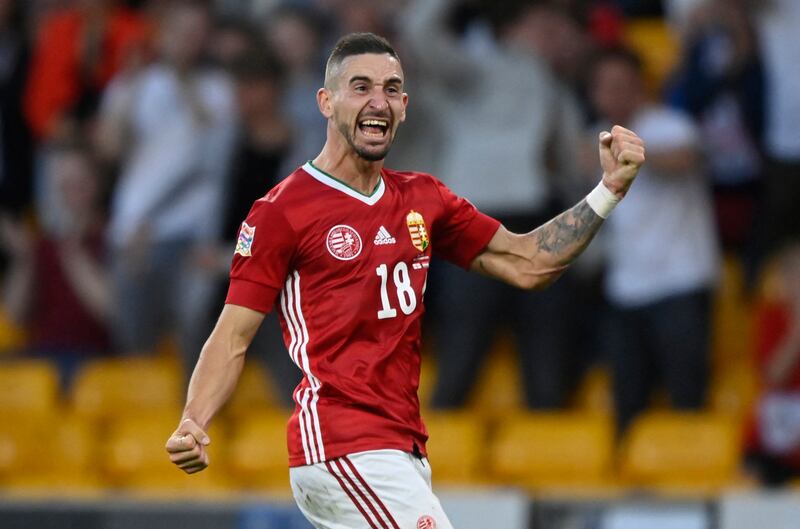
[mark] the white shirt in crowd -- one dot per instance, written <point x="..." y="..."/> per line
<point x="779" y="36"/>
<point x="662" y="238"/>
<point x="173" y="178"/>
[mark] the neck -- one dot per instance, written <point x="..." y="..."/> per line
<point x="344" y="164"/>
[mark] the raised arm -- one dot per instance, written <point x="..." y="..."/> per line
<point x="212" y="383"/>
<point x="536" y="259"/>
<point x="435" y="47"/>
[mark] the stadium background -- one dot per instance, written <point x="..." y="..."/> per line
<point x="84" y="422"/>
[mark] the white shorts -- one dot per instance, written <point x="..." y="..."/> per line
<point x="379" y="489"/>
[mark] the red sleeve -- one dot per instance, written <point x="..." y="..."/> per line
<point x="462" y="232"/>
<point x="264" y="250"/>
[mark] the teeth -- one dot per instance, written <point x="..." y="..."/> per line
<point x="374" y="122"/>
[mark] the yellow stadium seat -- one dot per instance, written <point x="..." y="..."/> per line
<point x="594" y="394"/>
<point x="456" y="446"/>
<point x="734" y="390"/>
<point x="499" y="388"/>
<point x="253" y="393"/>
<point x="257" y="451"/>
<point x="52" y="453"/>
<point x="653" y="40"/>
<point x="28" y="388"/>
<point x="12" y="336"/>
<point x="109" y="387"/>
<point x="548" y="451"/>
<point x="771" y="282"/>
<point x="427" y="379"/>
<point x="732" y="324"/>
<point x="682" y="453"/>
<point x="134" y="459"/>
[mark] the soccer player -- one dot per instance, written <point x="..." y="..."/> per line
<point x="341" y="248"/>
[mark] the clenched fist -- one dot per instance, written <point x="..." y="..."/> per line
<point x="186" y="447"/>
<point x="621" y="156"/>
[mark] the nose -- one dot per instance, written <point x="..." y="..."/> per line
<point x="378" y="100"/>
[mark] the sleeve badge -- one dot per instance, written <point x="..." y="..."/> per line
<point x="244" y="243"/>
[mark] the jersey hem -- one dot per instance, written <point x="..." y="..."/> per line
<point x="335" y="453"/>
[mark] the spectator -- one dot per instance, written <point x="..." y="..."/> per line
<point x="779" y="223"/>
<point x="559" y="39"/>
<point x="720" y="83"/>
<point x="57" y="284"/>
<point x="15" y="139"/>
<point x="231" y="40"/>
<point x="774" y="435"/>
<point x="359" y="15"/>
<point x="172" y="127"/>
<point x="679" y="14"/>
<point x="506" y="154"/>
<point x="78" y="50"/>
<point x="296" y="36"/>
<point x="266" y="134"/>
<point x="662" y="261"/>
<point x="264" y="144"/>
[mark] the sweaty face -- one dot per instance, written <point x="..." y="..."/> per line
<point x="368" y="103"/>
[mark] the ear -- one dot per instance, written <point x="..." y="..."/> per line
<point x="324" y="102"/>
<point x="405" y="105"/>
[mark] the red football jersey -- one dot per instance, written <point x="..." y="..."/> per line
<point x="347" y="273"/>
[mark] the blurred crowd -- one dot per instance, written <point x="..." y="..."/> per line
<point x="134" y="136"/>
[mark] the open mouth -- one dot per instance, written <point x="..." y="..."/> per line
<point x="375" y="128"/>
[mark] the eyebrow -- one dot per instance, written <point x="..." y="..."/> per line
<point x="396" y="80"/>
<point x="356" y="78"/>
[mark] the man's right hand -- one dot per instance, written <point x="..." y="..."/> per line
<point x="186" y="447"/>
<point x="621" y="156"/>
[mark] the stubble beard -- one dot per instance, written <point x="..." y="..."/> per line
<point x="369" y="156"/>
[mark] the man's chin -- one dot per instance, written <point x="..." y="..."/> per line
<point x="372" y="154"/>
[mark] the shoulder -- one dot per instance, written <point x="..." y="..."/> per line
<point x="290" y="206"/>
<point x="270" y="211"/>
<point x="410" y="178"/>
<point x="291" y="192"/>
<point x="422" y="184"/>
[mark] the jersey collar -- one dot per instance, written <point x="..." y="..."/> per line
<point x="337" y="184"/>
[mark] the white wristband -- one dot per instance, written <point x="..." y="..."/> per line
<point x="602" y="200"/>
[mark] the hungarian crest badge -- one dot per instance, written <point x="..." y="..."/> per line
<point x="417" y="231"/>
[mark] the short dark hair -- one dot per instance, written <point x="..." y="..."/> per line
<point x="357" y="44"/>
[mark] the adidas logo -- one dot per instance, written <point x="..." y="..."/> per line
<point x="384" y="237"/>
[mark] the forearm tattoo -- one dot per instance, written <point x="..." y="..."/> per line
<point x="568" y="234"/>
